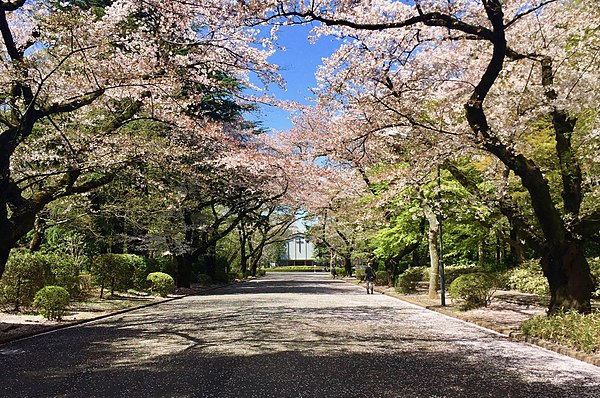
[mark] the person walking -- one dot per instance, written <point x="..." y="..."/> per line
<point x="333" y="272"/>
<point x="370" y="277"/>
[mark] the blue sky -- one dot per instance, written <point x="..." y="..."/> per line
<point x="298" y="64"/>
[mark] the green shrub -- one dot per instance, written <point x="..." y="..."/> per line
<point x="161" y="283"/>
<point x="65" y="271"/>
<point x="451" y="272"/>
<point x="528" y="278"/>
<point x="114" y="270"/>
<point x="204" y="279"/>
<point x="85" y="282"/>
<point x="572" y="329"/>
<point x="382" y="278"/>
<point x="360" y="275"/>
<point x="407" y="281"/>
<point x="261" y="272"/>
<point x="139" y="268"/>
<point x="24" y="275"/>
<point x="473" y="290"/>
<point x="52" y="301"/>
<point x="595" y="270"/>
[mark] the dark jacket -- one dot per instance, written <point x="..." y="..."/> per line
<point x="369" y="274"/>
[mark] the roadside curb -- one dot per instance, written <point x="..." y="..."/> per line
<point x="510" y="334"/>
<point x="69" y="324"/>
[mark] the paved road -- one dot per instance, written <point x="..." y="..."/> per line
<point x="286" y="336"/>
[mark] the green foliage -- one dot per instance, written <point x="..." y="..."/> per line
<point x="114" y="270"/>
<point x="572" y="329"/>
<point x="407" y="281"/>
<point x="85" y="283"/>
<point x="25" y="274"/>
<point x="161" y="283"/>
<point x="140" y="269"/>
<point x="204" y="279"/>
<point x="473" y="290"/>
<point x="595" y="270"/>
<point x="404" y="230"/>
<point x="528" y="278"/>
<point x="52" y="301"/>
<point x="451" y="272"/>
<point x="65" y="271"/>
<point x="360" y="274"/>
<point x="382" y="278"/>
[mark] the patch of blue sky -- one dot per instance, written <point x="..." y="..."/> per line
<point x="299" y="63"/>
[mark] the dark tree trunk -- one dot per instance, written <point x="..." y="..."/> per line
<point x="184" y="271"/>
<point x="348" y="265"/>
<point x="38" y="233"/>
<point x="6" y="245"/>
<point x="210" y="261"/>
<point x="243" y="254"/>
<point x="390" y="268"/>
<point x="568" y="274"/>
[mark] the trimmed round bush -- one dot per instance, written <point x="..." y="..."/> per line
<point x="473" y="290"/>
<point x="25" y="274"/>
<point x="161" y="283"/>
<point x="114" y="271"/>
<point x="52" y="301"/>
<point x="407" y="281"/>
<point x="451" y="272"/>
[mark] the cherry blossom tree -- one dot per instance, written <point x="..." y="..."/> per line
<point x="473" y="78"/>
<point x="75" y="73"/>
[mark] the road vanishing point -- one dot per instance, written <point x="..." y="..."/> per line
<point x="287" y="335"/>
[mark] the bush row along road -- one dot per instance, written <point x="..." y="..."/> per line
<point x="286" y="335"/>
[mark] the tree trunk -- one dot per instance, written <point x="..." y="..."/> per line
<point x="184" y="271"/>
<point x="481" y="254"/>
<point x="210" y="261"/>
<point x="390" y="268"/>
<point x="243" y="258"/>
<point x="434" y="251"/>
<point x="38" y="233"/>
<point x="569" y="277"/>
<point x="6" y="245"/>
<point x="348" y="265"/>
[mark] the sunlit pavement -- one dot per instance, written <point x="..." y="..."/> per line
<point x="287" y="335"/>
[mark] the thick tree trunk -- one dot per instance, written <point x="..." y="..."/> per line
<point x="348" y="265"/>
<point x="210" y="261"/>
<point x="6" y="245"/>
<point x="434" y="257"/>
<point x="184" y="271"/>
<point x="38" y="233"/>
<point x="569" y="277"/>
<point x="390" y="268"/>
<point x="481" y="254"/>
<point x="434" y="251"/>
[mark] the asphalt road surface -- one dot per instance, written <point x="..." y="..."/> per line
<point x="286" y="335"/>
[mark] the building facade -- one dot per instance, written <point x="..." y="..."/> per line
<point x="298" y="250"/>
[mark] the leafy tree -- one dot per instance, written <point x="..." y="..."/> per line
<point x="471" y="79"/>
<point x="74" y="79"/>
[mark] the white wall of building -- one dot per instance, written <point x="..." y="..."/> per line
<point x="298" y="248"/>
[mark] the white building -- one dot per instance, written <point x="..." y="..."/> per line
<point x="298" y="250"/>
